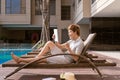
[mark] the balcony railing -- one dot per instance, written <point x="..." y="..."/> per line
<point x="15" y="46"/>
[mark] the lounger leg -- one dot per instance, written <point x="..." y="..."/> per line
<point x="93" y="66"/>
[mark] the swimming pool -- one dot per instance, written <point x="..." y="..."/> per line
<point x="5" y="54"/>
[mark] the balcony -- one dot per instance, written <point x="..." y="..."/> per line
<point x="82" y="12"/>
<point x="105" y="8"/>
<point x="21" y="15"/>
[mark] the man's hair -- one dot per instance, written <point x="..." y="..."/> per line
<point x="74" y="28"/>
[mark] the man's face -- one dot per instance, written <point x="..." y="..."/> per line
<point x="71" y="34"/>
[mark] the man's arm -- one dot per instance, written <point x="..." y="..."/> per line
<point x="70" y="51"/>
<point x="61" y="46"/>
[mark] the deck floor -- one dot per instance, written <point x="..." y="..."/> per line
<point x="110" y="72"/>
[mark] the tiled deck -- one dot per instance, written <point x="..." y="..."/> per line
<point x="106" y="71"/>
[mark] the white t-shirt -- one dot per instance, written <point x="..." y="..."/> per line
<point x="76" y="45"/>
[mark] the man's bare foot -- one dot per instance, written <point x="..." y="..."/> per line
<point x="15" y="58"/>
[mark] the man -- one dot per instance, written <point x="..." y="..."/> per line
<point x="73" y="46"/>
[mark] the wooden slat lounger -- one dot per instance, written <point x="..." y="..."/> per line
<point x="36" y="53"/>
<point x="83" y="61"/>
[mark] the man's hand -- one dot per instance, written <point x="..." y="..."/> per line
<point x="67" y="46"/>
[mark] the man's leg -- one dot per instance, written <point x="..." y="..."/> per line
<point x="26" y="60"/>
<point x="48" y="46"/>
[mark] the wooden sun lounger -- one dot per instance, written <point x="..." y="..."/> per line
<point x="84" y="61"/>
<point x="94" y="59"/>
<point x="31" y="53"/>
<point x="33" y="64"/>
<point x="35" y="53"/>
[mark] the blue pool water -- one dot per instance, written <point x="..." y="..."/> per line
<point x="5" y="54"/>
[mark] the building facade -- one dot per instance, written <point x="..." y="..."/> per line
<point x="21" y="20"/>
<point x="101" y="17"/>
<point x="105" y="20"/>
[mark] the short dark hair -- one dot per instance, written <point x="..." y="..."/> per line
<point x="74" y="28"/>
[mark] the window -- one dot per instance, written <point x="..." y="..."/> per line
<point x="65" y="13"/>
<point x="52" y="7"/>
<point x="15" y="6"/>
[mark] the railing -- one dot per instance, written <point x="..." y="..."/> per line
<point x="38" y="45"/>
<point x="15" y="46"/>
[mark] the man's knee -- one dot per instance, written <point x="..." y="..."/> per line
<point x="49" y="43"/>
